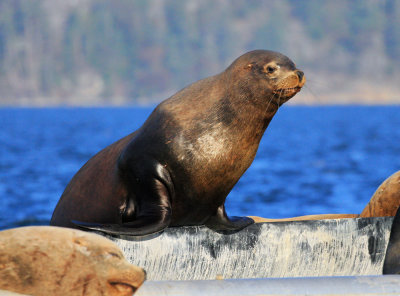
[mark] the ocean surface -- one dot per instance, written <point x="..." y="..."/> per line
<point x="311" y="160"/>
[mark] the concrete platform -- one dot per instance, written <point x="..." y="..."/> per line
<point x="340" y="247"/>
<point x="322" y="286"/>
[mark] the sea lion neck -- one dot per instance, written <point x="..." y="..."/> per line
<point x="246" y="99"/>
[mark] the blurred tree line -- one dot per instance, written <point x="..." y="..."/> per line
<point x="101" y="51"/>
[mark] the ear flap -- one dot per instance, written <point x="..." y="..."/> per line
<point x="250" y="66"/>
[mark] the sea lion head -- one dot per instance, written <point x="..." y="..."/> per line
<point x="268" y="75"/>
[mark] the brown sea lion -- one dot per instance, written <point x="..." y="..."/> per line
<point x="178" y="168"/>
<point x="391" y="264"/>
<point x="386" y="199"/>
<point x="384" y="203"/>
<point x="45" y="260"/>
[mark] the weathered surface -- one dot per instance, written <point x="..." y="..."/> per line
<point x="386" y="199"/>
<point x="283" y="249"/>
<point x="367" y="285"/>
<point x="45" y="260"/>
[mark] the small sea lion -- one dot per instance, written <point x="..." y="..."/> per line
<point x="391" y="264"/>
<point x="178" y="168"/>
<point x="386" y="199"/>
<point x="45" y="260"/>
<point x="386" y="202"/>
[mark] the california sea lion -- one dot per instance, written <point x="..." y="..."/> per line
<point x="386" y="199"/>
<point x="45" y="260"/>
<point x="391" y="264"/>
<point x="178" y="168"/>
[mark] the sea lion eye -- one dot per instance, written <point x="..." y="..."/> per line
<point x="115" y="255"/>
<point x="271" y="69"/>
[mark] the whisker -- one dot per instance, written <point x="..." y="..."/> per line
<point x="270" y="100"/>
<point x="279" y="104"/>
<point x="279" y="100"/>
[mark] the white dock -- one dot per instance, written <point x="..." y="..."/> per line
<point x="340" y="247"/>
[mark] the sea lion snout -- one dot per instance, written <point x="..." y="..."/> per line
<point x="288" y="84"/>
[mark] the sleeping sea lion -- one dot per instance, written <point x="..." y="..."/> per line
<point x="45" y="260"/>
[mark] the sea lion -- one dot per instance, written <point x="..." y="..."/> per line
<point x="386" y="202"/>
<point x="386" y="199"/>
<point x="45" y="260"/>
<point x="178" y="168"/>
<point x="391" y="264"/>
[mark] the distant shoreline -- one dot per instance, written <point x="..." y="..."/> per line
<point x="299" y="102"/>
<point x="346" y="93"/>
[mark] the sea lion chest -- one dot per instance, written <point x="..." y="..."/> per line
<point x="204" y="157"/>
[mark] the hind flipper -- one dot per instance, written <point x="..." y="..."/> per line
<point x="151" y="214"/>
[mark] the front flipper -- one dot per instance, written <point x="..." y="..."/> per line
<point x="220" y="222"/>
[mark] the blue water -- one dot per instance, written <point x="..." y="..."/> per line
<point x="311" y="160"/>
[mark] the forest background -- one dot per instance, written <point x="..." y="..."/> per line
<point x="101" y="52"/>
